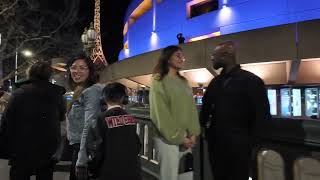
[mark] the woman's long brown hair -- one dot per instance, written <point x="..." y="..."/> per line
<point x="162" y="67"/>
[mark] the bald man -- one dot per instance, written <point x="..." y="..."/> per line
<point x="235" y="105"/>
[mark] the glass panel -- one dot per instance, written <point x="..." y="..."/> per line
<point x="296" y="102"/>
<point x="285" y="102"/>
<point x="272" y="96"/>
<point x="311" y="101"/>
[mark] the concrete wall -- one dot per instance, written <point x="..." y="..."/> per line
<point x="262" y="45"/>
<point x="278" y="44"/>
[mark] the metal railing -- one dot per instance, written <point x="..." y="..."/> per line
<point x="284" y="153"/>
<point x="148" y="152"/>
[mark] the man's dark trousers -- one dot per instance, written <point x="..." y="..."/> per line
<point x="229" y="156"/>
<point x="23" y="173"/>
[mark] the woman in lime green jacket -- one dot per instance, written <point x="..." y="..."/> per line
<point x="173" y="112"/>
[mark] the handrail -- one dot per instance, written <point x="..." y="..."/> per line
<point x="148" y="153"/>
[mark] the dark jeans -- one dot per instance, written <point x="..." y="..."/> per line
<point x="24" y="173"/>
<point x="75" y="151"/>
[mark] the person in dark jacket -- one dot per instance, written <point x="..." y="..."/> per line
<point x="113" y="144"/>
<point x="31" y="125"/>
<point x="235" y="107"/>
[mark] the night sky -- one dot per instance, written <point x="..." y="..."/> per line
<point x="37" y="18"/>
<point x="112" y="22"/>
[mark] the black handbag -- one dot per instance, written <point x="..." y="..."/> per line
<point x="186" y="163"/>
<point x="94" y="163"/>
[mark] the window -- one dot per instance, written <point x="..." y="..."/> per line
<point x="199" y="7"/>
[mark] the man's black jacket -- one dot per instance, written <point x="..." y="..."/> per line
<point x="30" y="126"/>
<point x="236" y="103"/>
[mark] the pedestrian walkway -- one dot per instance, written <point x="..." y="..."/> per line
<point x="4" y="173"/>
<point x="4" y="170"/>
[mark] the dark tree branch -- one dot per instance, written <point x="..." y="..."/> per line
<point x="31" y="25"/>
<point x="11" y="6"/>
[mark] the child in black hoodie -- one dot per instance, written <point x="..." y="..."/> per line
<point x="113" y="145"/>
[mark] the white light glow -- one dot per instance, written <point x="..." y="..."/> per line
<point x="126" y="52"/>
<point x="225" y="14"/>
<point x="311" y="59"/>
<point x="198" y="76"/>
<point x="215" y="34"/>
<point x="225" y="2"/>
<point x="27" y="53"/>
<point x="262" y="69"/>
<point x="255" y="69"/>
<point x="201" y="77"/>
<point x="154" y="40"/>
<point x="265" y="63"/>
<point x="154" y="16"/>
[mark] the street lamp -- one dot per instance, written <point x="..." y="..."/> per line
<point x="88" y="38"/>
<point x="26" y="53"/>
<point x="91" y="33"/>
<point x="84" y="38"/>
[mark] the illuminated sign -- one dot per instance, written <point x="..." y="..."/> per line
<point x="272" y="96"/>
<point x="285" y="102"/>
<point x="296" y="102"/>
<point x="311" y="102"/>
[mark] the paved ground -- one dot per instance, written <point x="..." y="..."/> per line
<point x="4" y="170"/>
<point x="4" y="173"/>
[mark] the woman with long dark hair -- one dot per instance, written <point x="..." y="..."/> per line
<point x="82" y="110"/>
<point x="173" y="112"/>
